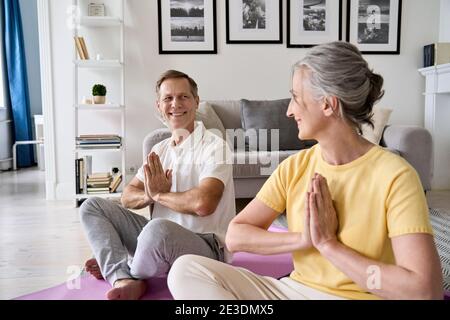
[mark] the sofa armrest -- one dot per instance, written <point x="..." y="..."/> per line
<point x="415" y="145"/>
<point x="153" y="138"/>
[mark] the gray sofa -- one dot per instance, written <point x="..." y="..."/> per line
<point x="250" y="169"/>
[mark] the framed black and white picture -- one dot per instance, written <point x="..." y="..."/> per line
<point x="187" y="26"/>
<point x="312" y="22"/>
<point x="374" y="25"/>
<point x="254" y="21"/>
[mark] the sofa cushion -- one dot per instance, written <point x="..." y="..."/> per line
<point x="253" y="164"/>
<point x="269" y="115"/>
<point x="210" y="119"/>
<point x="380" y="119"/>
<point x="229" y="112"/>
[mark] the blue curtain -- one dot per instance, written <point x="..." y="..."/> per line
<point x="16" y="72"/>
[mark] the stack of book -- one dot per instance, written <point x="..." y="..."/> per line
<point x="95" y="141"/>
<point x="80" y="44"/>
<point x="98" y="183"/>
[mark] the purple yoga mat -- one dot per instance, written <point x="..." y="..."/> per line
<point x="93" y="289"/>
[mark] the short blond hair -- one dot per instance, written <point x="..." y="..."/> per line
<point x="174" y="74"/>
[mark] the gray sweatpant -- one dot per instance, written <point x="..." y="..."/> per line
<point x="115" y="234"/>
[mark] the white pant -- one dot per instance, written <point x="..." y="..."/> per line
<point x="215" y="280"/>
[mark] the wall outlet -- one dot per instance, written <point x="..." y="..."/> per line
<point x="133" y="169"/>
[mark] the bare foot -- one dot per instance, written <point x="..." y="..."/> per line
<point x="93" y="268"/>
<point x="127" y="289"/>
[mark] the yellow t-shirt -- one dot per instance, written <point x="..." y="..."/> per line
<point x="377" y="196"/>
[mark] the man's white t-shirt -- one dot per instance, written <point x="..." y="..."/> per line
<point x="202" y="155"/>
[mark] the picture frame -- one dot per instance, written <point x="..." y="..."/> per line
<point x="187" y="27"/>
<point x="374" y="26"/>
<point x="254" y="21"/>
<point x="313" y="22"/>
<point x="96" y="10"/>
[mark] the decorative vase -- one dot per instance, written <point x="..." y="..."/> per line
<point x="99" y="99"/>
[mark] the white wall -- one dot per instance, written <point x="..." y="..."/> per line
<point x="444" y="30"/>
<point x="62" y="54"/>
<point x="237" y="71"/>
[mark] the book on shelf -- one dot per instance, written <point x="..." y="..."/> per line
<point x="82" y="175"/>
<point x="81" y="47"/>
<point x="97" y="140"/>
<point x="87" y="169"/>
<point x="100" y="146"/>
<point x="83" y="167"/>
<point x="97" y="190"/>
<point x="99" y="183"/>
<point x="84" y="47"/>
<point x="97" y="180"/>
<point x="436" y="53"/>
<point x="113" y="139"/>
<point x="98" y="136"/>
<point x="99" y="175"/>
<point x="77" y="176"/>
<point x="115" y="183"/>
<point x="81" y="143"/>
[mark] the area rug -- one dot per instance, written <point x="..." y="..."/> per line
<point x="440" y="221"/>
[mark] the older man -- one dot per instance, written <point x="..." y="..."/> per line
<point x="190" y="185"/>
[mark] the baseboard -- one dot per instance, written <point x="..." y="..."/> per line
<point x="64" y="191"/>
<point x="50" y="191"/>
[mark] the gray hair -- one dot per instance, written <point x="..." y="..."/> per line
<point x="338" y="69"/>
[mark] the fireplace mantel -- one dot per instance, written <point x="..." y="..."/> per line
<point x="437" y="120"/>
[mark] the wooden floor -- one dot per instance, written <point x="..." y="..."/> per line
<point x="41" y="242"/>
<point x="39" y="239"/>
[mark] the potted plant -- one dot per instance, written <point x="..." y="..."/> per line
<point x="99" y="93"/>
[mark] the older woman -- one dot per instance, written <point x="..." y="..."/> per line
<point x="357" y="214"/>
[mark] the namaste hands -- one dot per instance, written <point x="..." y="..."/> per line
<point x="321" y="222"/>
<point x="157" y="180"/>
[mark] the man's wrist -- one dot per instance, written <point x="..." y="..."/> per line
<point x="148" y="200"/>
<point x="157" y="197"/>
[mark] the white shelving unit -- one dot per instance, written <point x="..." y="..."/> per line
<point x="98" y="64"/>
<point x="100" y="22"/>
<point x="91" y="28"/>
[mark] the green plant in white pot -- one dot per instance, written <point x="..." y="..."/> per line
<point x="99" y="93"/>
